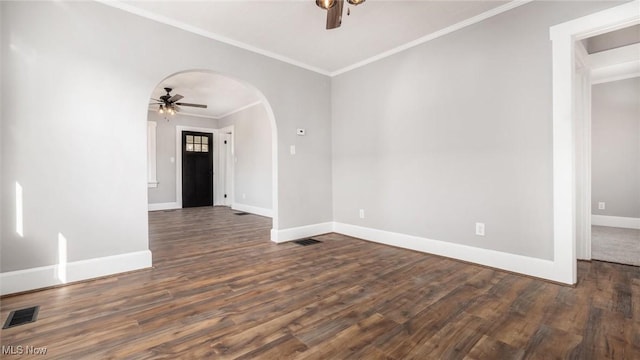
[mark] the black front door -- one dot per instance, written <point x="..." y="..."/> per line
<point x="197" y="169"/>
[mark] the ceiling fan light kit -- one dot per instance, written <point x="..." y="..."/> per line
<point x="334" y="10"/>
<point x="169" y="103"/>
<point x="325" y="4"/>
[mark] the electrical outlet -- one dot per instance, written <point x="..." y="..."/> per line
<point x="361" y="213"/>
<point x="480" y="229"/>
<point x="601" y="205"/>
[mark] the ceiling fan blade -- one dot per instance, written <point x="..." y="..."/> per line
<point x="334" y="15"/>
<point x="192" y="105"/>
<point x="175" y="98"/>
<point x="156" y="100"/>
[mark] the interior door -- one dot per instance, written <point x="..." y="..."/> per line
<point x="197" y="169"/>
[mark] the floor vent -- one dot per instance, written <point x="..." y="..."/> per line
<point x="241" y="213"/>
<point x="22" y="316"/>
<point x="307" y="242"/>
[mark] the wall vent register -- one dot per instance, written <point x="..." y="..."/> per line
<point x="307" y="242"/>
<point x="22" y="316"/>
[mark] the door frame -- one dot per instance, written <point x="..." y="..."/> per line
<point x="179" y="130"/>
<point x="582" y="109"/>
<point x="565" y="154"/>
<point x="222" y="172"/>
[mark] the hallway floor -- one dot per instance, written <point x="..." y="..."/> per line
<point x="615" y="245"/>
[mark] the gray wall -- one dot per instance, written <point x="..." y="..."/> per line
<point x="74" y="122"/>
<point x="252" y="147"/>
<point x="615" y="134"/>
<point x="166" y="149"/>
<point x="455" y="131"/>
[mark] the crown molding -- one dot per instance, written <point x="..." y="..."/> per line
<point x="217" y="117"/>
<point x="191" y="114"/>
<point x="448" y="30"/>
<point x="198" y="31"/>
<point x="222" y="116"/>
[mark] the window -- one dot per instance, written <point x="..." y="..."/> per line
<point x="197" y="143"/>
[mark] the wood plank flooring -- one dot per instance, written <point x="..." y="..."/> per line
<point x="220" y="289"/>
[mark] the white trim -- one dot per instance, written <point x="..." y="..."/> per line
<point x="284" y="235"/>
<point x="46" y="276"/>
<point x="623" y="54"/>
<point x="540" y="268"/>
<point x="616" y="221"/>
<point x="164" y="206"/>
<point x="582" y="108"/>
<point x="615" y="64"/>
<point x="216" y="117"/>
<point x="196" y="30"/>
<point x="189" y="114"/>
<point x="245" y="107"/>
<point x="448" y="30"/>
<point x="252" y="209"/>
<point x="229" y="166"/>
<point x="563" y="38"/>
<point x="204" y="116"/>
<point x="152" y="180"/>
<point x="615" y="72"/>
<point x="179" y="130"/>
<point x="274" y="164"/>
<point x="511" y="262"/>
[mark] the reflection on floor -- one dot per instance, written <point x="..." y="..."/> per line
<point x="615" y="244"/>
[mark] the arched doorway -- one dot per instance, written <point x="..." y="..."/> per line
<point x="226" y="98"/>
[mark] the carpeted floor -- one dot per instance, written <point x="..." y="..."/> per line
<point x="615" y="245"/>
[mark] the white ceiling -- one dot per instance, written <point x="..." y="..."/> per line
<point x="221" y="94"/>
<point x="294" y="30"/>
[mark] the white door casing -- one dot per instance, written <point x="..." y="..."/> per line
<point x="563" y="38"/>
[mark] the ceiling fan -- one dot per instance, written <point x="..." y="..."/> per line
<point x="334" y="10"/>
<point x="169" y="103"/>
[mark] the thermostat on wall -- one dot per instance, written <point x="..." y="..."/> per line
<point x="300" y="132"/>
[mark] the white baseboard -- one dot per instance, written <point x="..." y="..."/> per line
<point x="46" y="276"/>
<point x="540" y="268"/>
<point x="511" y="262"/>
<point x="164" y="206"/>
<point x="616" y="221"/>
<point x="253" y="209"/>
<point x="301" y="232"/>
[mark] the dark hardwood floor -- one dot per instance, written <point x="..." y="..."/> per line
<point x="220" y="289"/>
